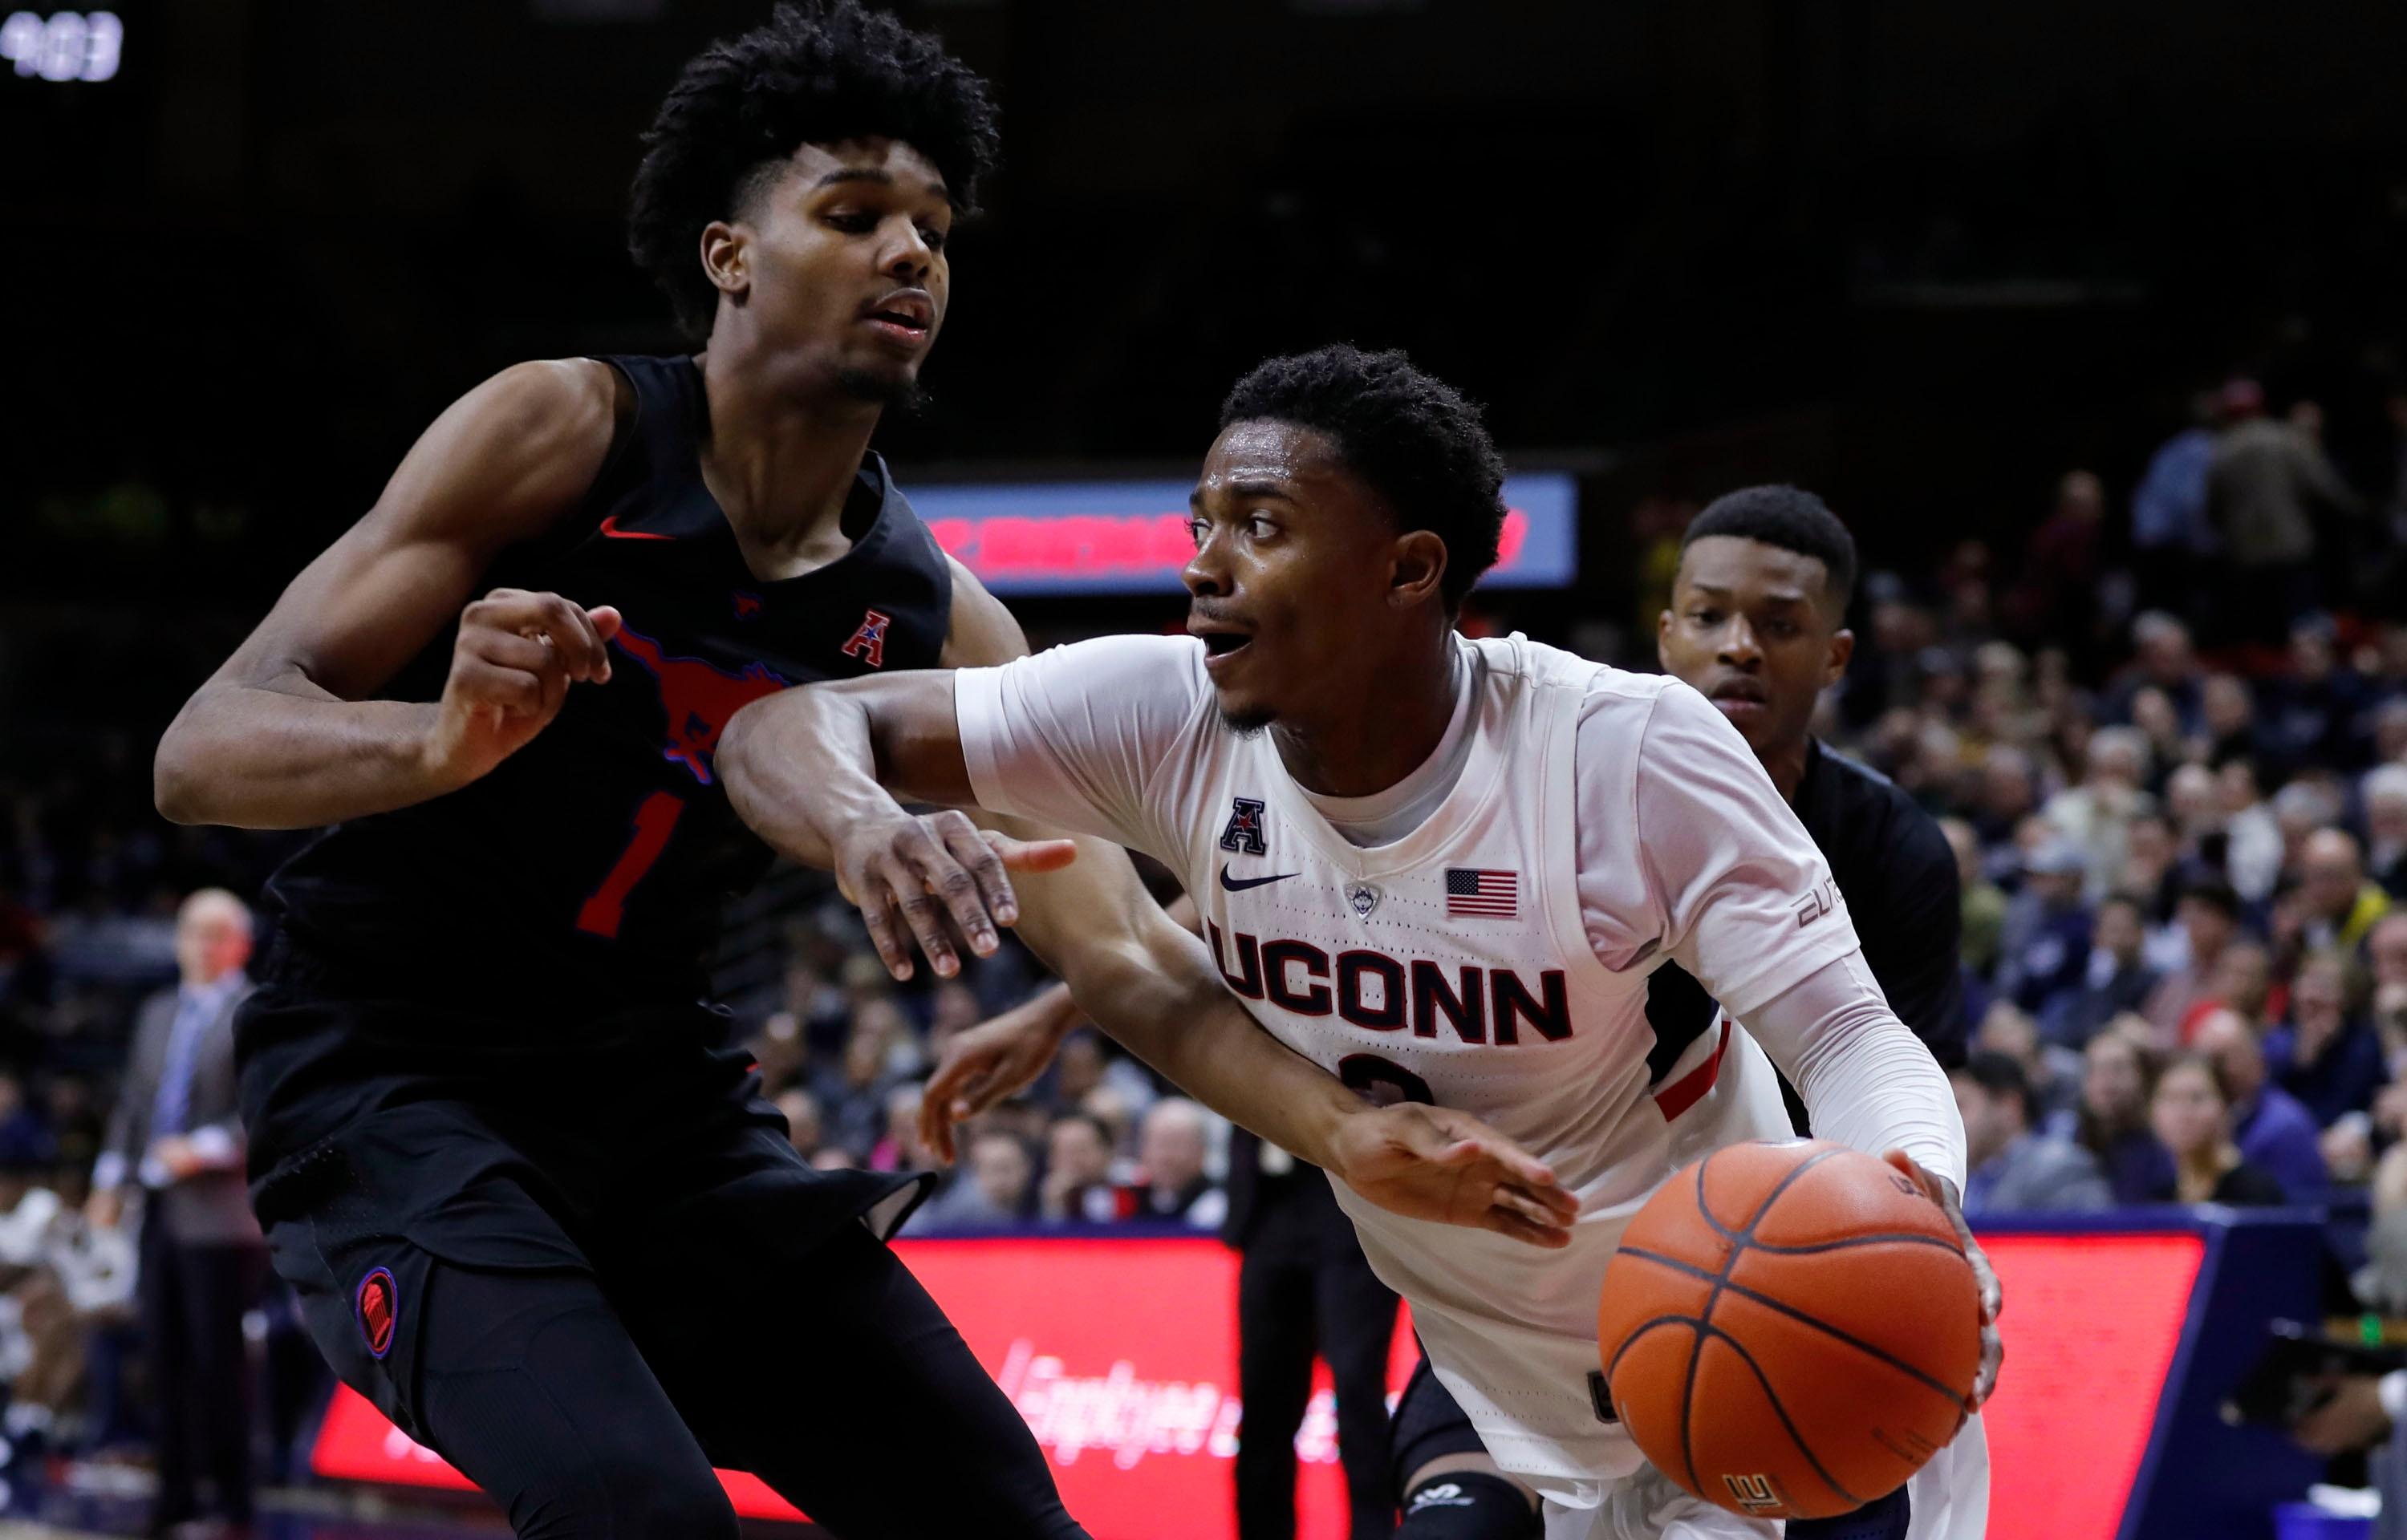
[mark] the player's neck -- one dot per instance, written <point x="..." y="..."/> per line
<point x="1368" y="740"/>
<point x="1786" y="764"/>
<point x="781" y="464"/>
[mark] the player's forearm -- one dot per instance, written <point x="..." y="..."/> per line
<point x="1161" y="1000"/>
<point x="1868" y="1081"/>
<point x="257" y="757"/>
<point x="801" y="766"/>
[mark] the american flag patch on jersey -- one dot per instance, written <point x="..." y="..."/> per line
<point x="1473" y="891"/>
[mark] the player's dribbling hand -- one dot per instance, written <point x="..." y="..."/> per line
<point x="933" y="876"/>
<point x="515" y="656"/>
<point x="983" y="1063"/>
<point x="1434" y="1163"/>
<point x="1993" y="1347"/>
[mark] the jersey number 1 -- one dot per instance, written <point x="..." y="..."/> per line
<point x="654" y="818"/>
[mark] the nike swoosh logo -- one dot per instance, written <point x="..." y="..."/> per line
<point x="610" y="531"/>
<point x="1239" y="884"/>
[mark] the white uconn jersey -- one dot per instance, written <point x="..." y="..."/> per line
<point x="1459" y="964"/>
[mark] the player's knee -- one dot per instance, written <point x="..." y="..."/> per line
<point x="1468" y="1505"/>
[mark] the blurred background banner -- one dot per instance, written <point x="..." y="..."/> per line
<point x="1120" y="537"/>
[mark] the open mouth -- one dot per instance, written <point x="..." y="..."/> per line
<point x="907" y="315"/>
<point x="1219" y="639"/>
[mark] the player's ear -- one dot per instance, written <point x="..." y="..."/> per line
<point x="1419" y="566"/>
<point x="725" y="258"/>
<point x="1843" y="647"/>
<point x="1663" y="639"/>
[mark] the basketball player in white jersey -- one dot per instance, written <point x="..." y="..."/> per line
<point x="1441" y="869"/>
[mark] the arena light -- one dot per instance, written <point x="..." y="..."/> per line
<point x="85" y="46"/>
<point x="1130" y="536"/>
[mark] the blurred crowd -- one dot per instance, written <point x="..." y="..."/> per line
<point x="2167" y="738"/>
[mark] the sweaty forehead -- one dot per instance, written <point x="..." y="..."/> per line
<point x="1753" y="570"/>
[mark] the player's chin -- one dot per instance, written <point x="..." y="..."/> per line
<point x="1244" y="717"/>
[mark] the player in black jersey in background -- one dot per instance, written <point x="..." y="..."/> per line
<point x="1758" y="627"/>
<point x="523" y="1181"/>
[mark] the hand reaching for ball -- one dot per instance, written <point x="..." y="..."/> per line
<point x="1993" y="1298"/>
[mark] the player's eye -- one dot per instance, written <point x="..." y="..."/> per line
<point x="1706" y="617"/>
<point x="1198" y="528"/>
<point x="933" y="237"/>
<point x="1259" y="527"/>
<point x="860" y="224"/>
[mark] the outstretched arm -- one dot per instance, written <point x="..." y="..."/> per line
<point x="810" y="771"/>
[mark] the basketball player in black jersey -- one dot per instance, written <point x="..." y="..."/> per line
<point x="521" y="1178"/>
<point x="1757" y="626"/>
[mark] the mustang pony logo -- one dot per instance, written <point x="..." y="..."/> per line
<point x="697" y="698"/>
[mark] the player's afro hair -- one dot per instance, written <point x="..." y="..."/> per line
<point x="1790" y="518"/>
<point x="819" y="72"/>
<point x="1414" y="439"/>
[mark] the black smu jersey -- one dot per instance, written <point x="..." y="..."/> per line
<point x="1899" y="875"/>
<point x="594" y="863"/>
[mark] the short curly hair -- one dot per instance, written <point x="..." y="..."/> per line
<point x="819" y="72"/>
<point x="1791" y="518"/>
<point x="1416" y="440"/>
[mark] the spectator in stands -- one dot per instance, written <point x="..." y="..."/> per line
<point x="2253" y="848"/>
<point x="2242" y="983"/>
<point x="2013" y="1168"/>
<point x="1984" y="903"/>
<point x="2263" y="490"/>
<point x="2311" y="709"/>
<point x="177" y="1136"/>
<point x="1173" y="1146"/>
<point x="991" y="1194"/>
<point x="2097" y="814"/>
<point x="2154" y="872"/>
<point x="899" y="1147"/>
<point x="2009" y="794"/>
<point x="2383" y="793"/>
<point x="2191" y="1114"/>
<point x="1078" y="1187"/>
<point x="2266" y="1123"/>
<point x="2338" y="903"/>
<point x="2051" y="1072"/>
<point x="2385" y="949"/>
<point x="2341" y="906"/>
<point x="2228" y="720"/>
<point x="2208" y="920"/>
<point x="802" y="1113"/>
<point x="852" y="1091"/>
<point x="2118" y="1077"/>
<point x="2170" y="530"/>
<point x="2325" y="1055"/>
<point x="2161" y="664"/>
<point x="2044" y="950"/>
<point x="2117" y="978"/>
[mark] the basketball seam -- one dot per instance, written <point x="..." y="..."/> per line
<point x="1768" y="1301"/>
<point x="1908" y="1238"/>
<point x="1740" y="1241"/>
<point x="1779" y="1411"/>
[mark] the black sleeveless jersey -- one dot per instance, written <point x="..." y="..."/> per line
<point x="593" y="864"/>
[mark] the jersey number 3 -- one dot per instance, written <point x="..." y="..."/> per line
<point x="654" y="818"/>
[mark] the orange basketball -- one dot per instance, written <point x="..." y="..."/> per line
<point x="1789" y="1329"/>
